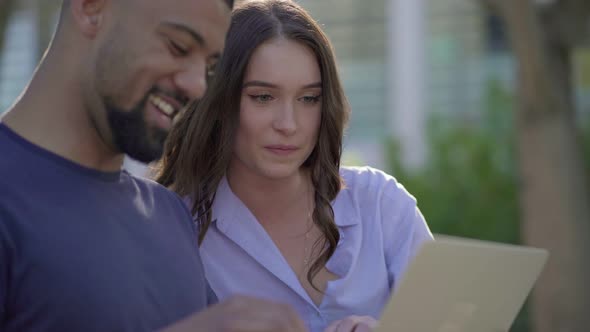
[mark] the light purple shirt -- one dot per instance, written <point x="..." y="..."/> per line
<point x="380" y="231"/>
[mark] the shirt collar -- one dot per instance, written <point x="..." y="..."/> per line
<point x="226" y="202"/>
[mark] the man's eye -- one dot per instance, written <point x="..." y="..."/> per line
<point x="177" y="49"/>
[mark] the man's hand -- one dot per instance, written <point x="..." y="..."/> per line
<point x="242" y="314"/>
<point x="353" y="324"/>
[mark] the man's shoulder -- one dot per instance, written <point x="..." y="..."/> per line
<point x="146" y="185"/>
<point x="14" y="169"/>
<point x="17" y="161"/>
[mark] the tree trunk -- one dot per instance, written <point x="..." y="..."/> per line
<point x="555" y="198"/>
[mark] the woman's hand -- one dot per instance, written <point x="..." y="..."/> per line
<point x="353" y="324"/>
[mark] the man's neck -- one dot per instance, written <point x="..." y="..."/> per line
<point x="51" y="115"/>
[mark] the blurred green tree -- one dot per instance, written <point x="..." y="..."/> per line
<point x="469" y="187"/>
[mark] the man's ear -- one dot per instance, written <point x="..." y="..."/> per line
<point x="89" y="15"/>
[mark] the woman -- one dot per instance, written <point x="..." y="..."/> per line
<point x="259" y="161"/>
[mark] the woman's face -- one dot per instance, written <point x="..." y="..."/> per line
<point x="280" y="110"/>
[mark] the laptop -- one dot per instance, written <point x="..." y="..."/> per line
<point x="463" y="285"/>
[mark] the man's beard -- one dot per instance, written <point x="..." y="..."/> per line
<point x="131" y="133"/>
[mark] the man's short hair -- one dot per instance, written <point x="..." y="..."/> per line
<point x="230" y="3"/>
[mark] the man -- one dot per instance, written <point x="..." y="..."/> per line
<point x="85" y="246"/>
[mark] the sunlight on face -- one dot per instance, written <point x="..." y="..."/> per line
<point x="280" y="110"/>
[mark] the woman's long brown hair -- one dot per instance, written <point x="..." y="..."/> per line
<point x="200" y="145"/>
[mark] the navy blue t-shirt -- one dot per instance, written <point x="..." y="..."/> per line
<point x="83" y="250"/>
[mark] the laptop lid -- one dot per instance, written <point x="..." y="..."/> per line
<point x="463" y="285"/>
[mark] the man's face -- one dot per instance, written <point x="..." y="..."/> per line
<point x="151" y="61"/>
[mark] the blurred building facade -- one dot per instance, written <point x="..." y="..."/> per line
<point x="402" y="61"/>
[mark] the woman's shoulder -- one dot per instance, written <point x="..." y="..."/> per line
<point x="367" y="184"/>
<point x="363" y="178"/>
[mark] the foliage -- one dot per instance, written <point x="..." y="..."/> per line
<point x="469" y="186"/>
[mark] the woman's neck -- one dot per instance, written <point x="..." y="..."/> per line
<point x="273" y="200"/>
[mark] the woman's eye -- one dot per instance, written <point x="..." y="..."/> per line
<point x="311" y="99"/>
<point x="261" y="98"/>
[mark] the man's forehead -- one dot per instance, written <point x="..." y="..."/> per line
<point x="189" y="10"/>
<point x="188" y="6"/>
<point x="207" y="18"/>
